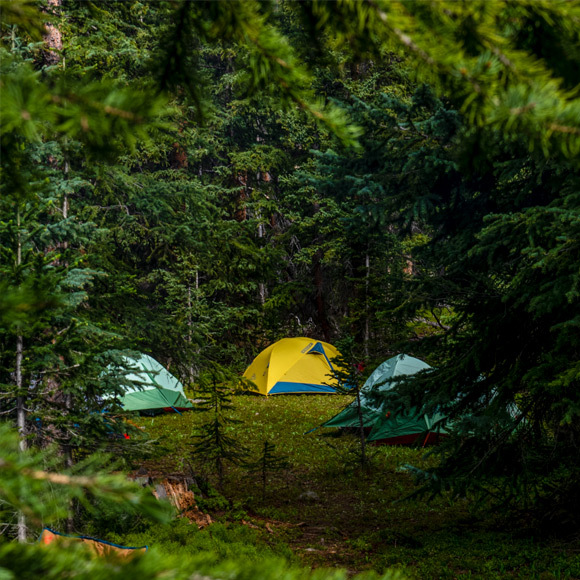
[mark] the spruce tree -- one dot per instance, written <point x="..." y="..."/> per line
<point x="266" y="463"/>
<point x="213" y="445"/>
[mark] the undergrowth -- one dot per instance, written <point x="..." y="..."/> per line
<point x="323" y="511"/>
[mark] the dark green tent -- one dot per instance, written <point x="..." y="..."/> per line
<point x="381" y="380"/>
<point x="386" y="427"/>
<point x="408" y="427"/>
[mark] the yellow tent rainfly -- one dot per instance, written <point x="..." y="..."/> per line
<point x="294" y="365"/>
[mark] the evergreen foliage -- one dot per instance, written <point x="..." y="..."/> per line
<point x="190" y="180"/>
<point x="36" y="484"/>
<point x="213" y="445"/>
<point x="482" y="180"/>
<point x="44" y="495"/>
<point x="267" y="463"/>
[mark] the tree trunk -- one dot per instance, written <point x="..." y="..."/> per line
<point x="21" y="423"/>
<point x="68" y="462"/>
<point x="261" y="285"/>
<point x="178" y="156"/>
<point x="21" y="528"/>
<point x="264" y="480"/>
<point x="192" y="368"/>
<point x="189" y="305"/>
<point x="53" y="38"/>
<point x="68" y="400"/>
<point x="53" y="41"/>
<point x="240" y="213"/>
<point x="363" y="455"/>
<point x="320" y="306"/>
<point x="20" y="399"/>
<point x="367" y="314"/>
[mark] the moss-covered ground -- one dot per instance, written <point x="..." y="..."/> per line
<point x="330" y="513"/>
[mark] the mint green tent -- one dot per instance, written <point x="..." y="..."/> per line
<point x="381" y="380"/>
<point x="152" y="387"/>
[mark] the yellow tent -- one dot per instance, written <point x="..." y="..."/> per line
<point x="294" y="365"/>
<point x="98" y="547"/>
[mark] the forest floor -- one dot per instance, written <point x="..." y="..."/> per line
<point x="332" y="514"/>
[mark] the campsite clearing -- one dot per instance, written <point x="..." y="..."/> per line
<point x="331" y="514"/>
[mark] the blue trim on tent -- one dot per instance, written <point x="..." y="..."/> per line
<point x="328" y="360"/>
<point x="284" y="387"/>
<point x="317" y="348"/>
<point x="92" y="539"/>
<point x="176" y="411"/>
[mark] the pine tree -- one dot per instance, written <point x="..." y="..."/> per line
<point x="51" y="349"/>
<point x="213" y="445"/>
<point x="492" y="189"/>
<point x="267" y="463"/>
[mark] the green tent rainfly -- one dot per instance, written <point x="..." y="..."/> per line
<point x="401" y="428"/>
<point x="408" y="427"/>
<point x="381" y="380"/>
<point x="152" y="387"/>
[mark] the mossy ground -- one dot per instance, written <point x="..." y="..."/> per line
<point x="356" y="520"/>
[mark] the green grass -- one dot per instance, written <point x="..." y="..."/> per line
<point x="358" y="522"/>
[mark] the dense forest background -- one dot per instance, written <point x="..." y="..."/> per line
<point x="197" y="180"/>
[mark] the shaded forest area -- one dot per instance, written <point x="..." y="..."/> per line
<point x="196" y="180"/>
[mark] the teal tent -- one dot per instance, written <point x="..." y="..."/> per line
<point x="408" y="427"/>
<point x="412" y="426"/>
<point x="149" y="386"/>
<point x="385" y="427"/>
<point x="381" y="380"/>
